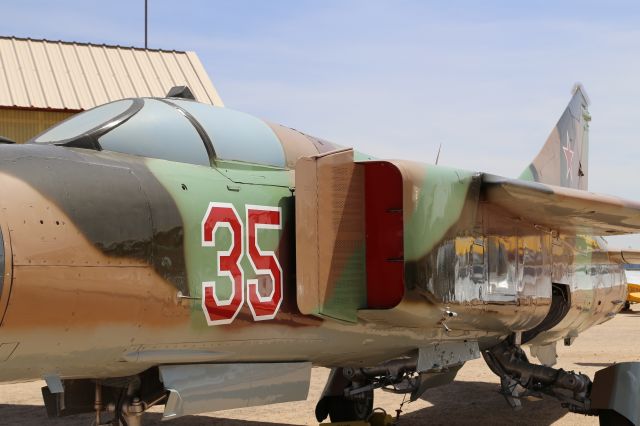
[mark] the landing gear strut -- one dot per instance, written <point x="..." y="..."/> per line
<point x="607" y="396"/>
<point x="343" y="409"/>
<point x="127" y="409"/>
<point x="338" y="404"/>
<point x="118" y="401"/>
<point x="348" y="395"/>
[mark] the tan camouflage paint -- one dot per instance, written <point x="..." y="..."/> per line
<point x="107" y="316"/>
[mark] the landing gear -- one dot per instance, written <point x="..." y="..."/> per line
<point x="348" y="394"/>
<point x="343" y="409"/>
<point x="610" y="396"/>
<point x="125" y="410"/>
<point x="119" y="401"/>
<point x="340" y="406"/>
<point x="519" y="378"/>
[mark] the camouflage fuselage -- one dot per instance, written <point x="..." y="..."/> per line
<point x="105" y="266"/>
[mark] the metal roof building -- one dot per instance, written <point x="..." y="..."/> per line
<point x="43" y="81"/>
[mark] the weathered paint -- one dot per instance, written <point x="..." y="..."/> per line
<point x="108" y="266"/>
<point x="330" y="236"/>
<point x="564" y="158"/>
<point x="439" y="201"/>
<point x="193" y="188"/>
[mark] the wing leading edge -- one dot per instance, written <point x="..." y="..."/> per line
<point x="563" y="209"/>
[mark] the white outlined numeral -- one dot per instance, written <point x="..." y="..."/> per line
<point x="218" y="311"/>
<point x="264" y="262"/>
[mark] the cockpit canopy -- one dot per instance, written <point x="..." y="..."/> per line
<point x="171" y="129"/>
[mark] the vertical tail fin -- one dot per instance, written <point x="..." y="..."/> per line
<point x="563" y="160"/>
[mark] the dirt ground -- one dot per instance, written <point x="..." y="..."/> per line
<point x="471" y="399"/>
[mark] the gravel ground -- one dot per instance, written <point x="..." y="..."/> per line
<point x="471" y="399"/>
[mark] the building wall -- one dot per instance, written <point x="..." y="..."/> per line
<point x="21" y="125"/>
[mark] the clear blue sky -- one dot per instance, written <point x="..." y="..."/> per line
<point x="487" y="80"/>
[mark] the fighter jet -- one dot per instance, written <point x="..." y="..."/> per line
<point x="164" y="251"/>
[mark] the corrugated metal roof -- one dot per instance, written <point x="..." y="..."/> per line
<point x="77" y="76"/>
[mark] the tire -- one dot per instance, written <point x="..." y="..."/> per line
<point x="344" y="410"/>
<point x="611" y="418"/>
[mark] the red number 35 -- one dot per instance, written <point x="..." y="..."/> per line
<point x="264" y="262"/>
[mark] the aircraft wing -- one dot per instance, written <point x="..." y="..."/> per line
<point x="629" y="256"/>
<point x="562" y="209"/>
